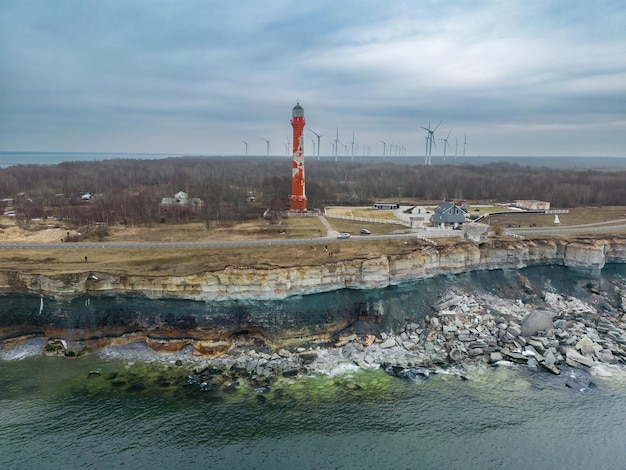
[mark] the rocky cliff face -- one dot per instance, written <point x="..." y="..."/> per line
<point x="257" y="284"/>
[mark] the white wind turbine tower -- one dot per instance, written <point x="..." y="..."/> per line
<point x="465" y="142"/>
<point x="445" y="144"/>
<point x="431" y="141"/>
<point x="336" y="143"/>
<point x="353" y="145"/>
<point x="268" y="145"/>
<point x="313" y="142"/>
<point x="318" y="141"/>
<point x="246" y="143"/>
<point x="384" y="147"/>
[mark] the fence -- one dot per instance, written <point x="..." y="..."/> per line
<point x="366" y="219"/>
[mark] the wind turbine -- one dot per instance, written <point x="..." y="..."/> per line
<point x="287" y="144"/>
<point x="456" y="149"/>
<point x="353" y="144"/>
<point x="384" y="147"/>
<point x="445" y="144"/>
<point x="246" y="147"/>
<point x="431" y="140"/>
<point x="336" y="143"/>
<point x="318" y="141"/>
<point x="268" y="145"/>
<point x="313" y="142"/>
<point x="345" y="148"/>
<point x="465" y="142"/>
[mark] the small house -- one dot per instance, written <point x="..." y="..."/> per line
<point x="181" y="203"/>
<point x="448" y="215"/>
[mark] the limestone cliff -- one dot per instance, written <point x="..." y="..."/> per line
<point x="376" y="272"/>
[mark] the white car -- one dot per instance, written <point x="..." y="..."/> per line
<point x="343" y="236"/>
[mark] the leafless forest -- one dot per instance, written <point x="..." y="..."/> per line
<point x="129" y="191"/>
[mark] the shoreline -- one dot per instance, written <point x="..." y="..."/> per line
<point x="467" y="330"/>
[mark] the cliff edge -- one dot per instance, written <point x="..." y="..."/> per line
<point x="279" y="283"/>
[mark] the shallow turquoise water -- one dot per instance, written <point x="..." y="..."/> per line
<point x="53" y="416"/>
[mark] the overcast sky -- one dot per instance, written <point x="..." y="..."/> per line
<point x="527" y="77"/>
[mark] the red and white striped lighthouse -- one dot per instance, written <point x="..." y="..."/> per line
<point x="298" y="196"/>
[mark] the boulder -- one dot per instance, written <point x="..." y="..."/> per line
<point x="551" y="367"/>
<point x="514" y="356"/>
<point x="514" y="330"/>
<point x="495" y="357"/>
<point x="550" y="358"/>
<point x="575" y="359"/>
<point x="307" y="357"/>
<point x="388" y="343"/>
<point x="456" y="355"/>
<point x="536" y="321"/>
<point x="606" y="355"/>
<point x="579" y="380"/>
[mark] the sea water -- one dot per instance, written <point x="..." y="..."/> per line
<point x="54" y="158"/>
<point x="99" y="413"/>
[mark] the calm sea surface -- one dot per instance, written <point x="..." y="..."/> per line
<point x="138" y="415"/>
<point x="52" y="158"/>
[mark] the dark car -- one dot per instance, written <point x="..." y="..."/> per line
<point x="365" y="231"/>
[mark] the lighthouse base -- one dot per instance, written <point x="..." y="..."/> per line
<point x="297" y="203"/>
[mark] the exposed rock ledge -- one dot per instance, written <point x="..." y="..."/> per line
<point x="243" y="284"/>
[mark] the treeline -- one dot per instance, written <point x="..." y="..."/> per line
<point x="129" y="191"/>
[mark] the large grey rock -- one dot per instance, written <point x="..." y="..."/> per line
<point x="307" y="357"/>
<point x="551" y="367"/>
<point x="514" y="330"/>
<point x="575" y="359"/>
<point x="388" y="343"/>
<point x="550" y="358"/>
<point x="536" y="321"/>
<point x="495" y="357"/>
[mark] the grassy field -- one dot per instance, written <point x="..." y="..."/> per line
<point x="183" y="261"/>
<point x="361" y="212"/>
<point x="576" y="216"/>
<point x="291" y="228"/>
<point x="355" y="227"/>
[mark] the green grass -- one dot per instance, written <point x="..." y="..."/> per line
<point x="354" y="227"/>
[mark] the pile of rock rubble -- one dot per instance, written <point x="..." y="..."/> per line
<point x="465" y="330"/>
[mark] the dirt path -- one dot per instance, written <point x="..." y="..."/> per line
<point x="330" y="231"/>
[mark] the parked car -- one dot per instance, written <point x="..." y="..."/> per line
<point x="365" y="231"/>
<point x="343" y="235"/>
